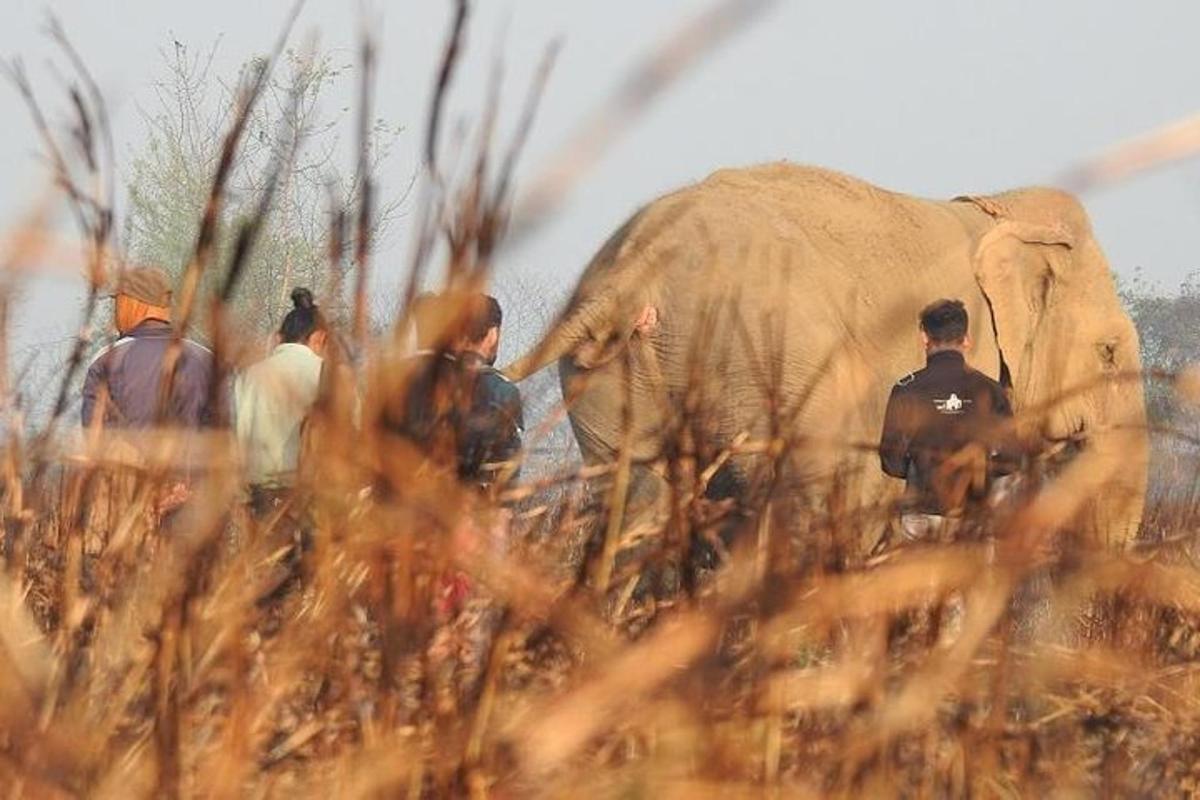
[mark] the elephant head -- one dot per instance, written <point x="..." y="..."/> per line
<point x="1065" y="342"/>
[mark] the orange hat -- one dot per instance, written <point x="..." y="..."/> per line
<point x="148" y="284"/>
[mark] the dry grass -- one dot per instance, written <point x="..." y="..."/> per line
<point x="148" y="660"/>
<point x="193" y="653"/>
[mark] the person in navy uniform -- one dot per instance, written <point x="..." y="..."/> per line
<point x="947" y="431"/>
<point x="466" y="421"/>
<point x="457" y="406"/>
<point x="495" y="419"/>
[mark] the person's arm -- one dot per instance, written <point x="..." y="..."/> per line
<point x="191" y="389"/>
<point x="895" y="439"/>
<point x="1005" y="454"/>
<point x="93" y="385"/>
<point x="493" y="429"/>
<point x="513" y="416"/>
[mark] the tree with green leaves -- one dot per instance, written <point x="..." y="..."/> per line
<point x="290" y="140"/>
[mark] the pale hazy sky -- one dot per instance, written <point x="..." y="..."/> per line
<point x="924" y="96"/>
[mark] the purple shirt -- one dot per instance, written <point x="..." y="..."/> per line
<point x="132" y="370"/>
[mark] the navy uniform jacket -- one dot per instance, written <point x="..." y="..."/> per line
<point x="932" y="415"/>
<point x="461" y="410"/>
<point x="493" y="427"/>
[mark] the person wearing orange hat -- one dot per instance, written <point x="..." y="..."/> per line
<point x="123" y="386"/>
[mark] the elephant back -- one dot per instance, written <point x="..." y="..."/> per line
<point x="795" y="267"/>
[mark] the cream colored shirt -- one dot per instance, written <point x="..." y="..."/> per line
<point x="271" y="401"/>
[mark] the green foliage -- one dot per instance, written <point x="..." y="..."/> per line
<point x="287" y="132"/>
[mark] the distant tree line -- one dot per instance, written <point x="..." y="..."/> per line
<point x="1168" y="325"/>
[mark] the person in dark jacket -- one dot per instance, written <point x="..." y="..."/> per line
<point x="465" y="417"/>
<point x="458" y="407"/>
<point x="946" y="431"/>
<point x="123" y="386"/>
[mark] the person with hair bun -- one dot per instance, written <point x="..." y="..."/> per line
<point x="272" y="399"/>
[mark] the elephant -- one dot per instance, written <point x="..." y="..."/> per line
<point x="780" y="301"/>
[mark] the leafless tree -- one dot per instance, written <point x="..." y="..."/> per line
<point x="171" y="174"/>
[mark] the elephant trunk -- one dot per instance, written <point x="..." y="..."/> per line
<point x="1137" y="461"/>
<point x="1119" y="514"/>
<point x="1122" y="451"/>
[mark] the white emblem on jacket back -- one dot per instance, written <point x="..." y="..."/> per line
<point x="950" y="405"/>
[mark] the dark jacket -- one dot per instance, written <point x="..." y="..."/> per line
<point x="131" y="370"/>
<point x="932" y="415"/>
<point x="462" y="412"/>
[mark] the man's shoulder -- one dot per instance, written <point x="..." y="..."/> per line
<point x="424" y="361"/>
<point x="497" y="384"/>
<point x="910" y="381"/>
<point x="299" y="357"/>
<point x="423" y="356"/>
<point x="257" y="371"/>
<point x="984" y="382"/>
<point x="108" y="350"/>
<point x="197" y="356"/>
<point x="196" y="348"/>
<point x="492" y="374"/>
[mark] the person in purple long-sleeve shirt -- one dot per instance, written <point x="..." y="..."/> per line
<point x="123" y="386"/>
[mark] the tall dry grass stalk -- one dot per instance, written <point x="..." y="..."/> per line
<point x="206" y="650"/>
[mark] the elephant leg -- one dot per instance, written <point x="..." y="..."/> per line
<point x="615" y="518"/>
<point x="725" y="504"/>
<point x="641" y="530"/>
<point x="649" y="561"/>
<point x="644" y="558"/>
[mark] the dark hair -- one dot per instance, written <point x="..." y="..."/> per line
<point x="945" y="321"/>
<point x="449" y="316"/>
<point x="303" y="320"/>
<point x="480" y="316"/>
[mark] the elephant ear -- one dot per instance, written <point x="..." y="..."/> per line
<point x="1018" y="266"/>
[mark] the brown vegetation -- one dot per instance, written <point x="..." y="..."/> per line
<point x="155" y="651"/>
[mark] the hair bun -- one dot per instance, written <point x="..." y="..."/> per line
<point x="303" y="298"/>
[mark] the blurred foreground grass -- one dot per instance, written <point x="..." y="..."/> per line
<point x="147" y="657"/>
<point x="153" y="651"/>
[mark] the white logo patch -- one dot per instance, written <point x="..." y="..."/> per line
<point x="950" y="405"/>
